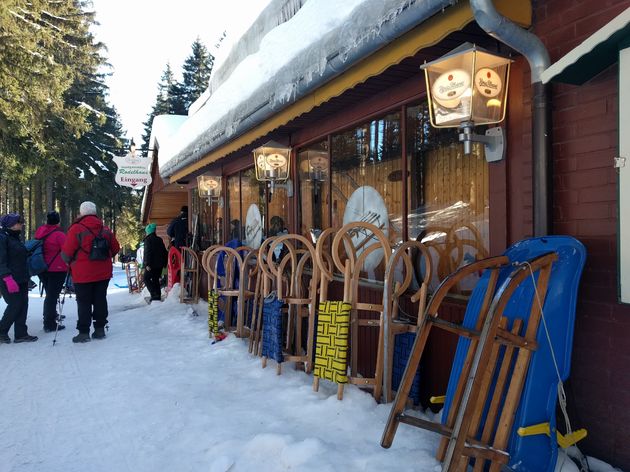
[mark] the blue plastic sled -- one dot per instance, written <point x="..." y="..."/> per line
<point x="539" y="397"/>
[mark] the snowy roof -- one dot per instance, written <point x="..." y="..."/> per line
<point x="162" y="129"/>
<point x="273" y="66"/>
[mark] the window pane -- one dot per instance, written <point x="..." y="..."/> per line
<point x="367" y="160"/>
<point x="233" y="202"/>
<point x="252" y="208"/>
<point x="278" y="210"/>
<point x="448" y="195"/>
<point x="202" y="217"/>
<point x="313" y="163"/>
<point x="216" y="214"/>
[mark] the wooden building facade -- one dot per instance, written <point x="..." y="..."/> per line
<point x="370" y="123"/>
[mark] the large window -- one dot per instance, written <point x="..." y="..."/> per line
<point x="314" y="193"/>
<point x="207" y="222"/>
<point x="254" y="212"/>
<point x="252" y="209"/>
<point x="233" y="203"/>
<point x="366" y="169"/>
<point x="446" y="191"/>
<point x="447" y="195"/>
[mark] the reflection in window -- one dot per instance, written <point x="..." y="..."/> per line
<point x="448" y="195"/>
<point x="234" y="207"/>
<point x="447" y="192"/>
<point x="313" y="163"/>
<point x="278" y="210"/>
<point x="366" y="169"/>
<point x="251" y="209"/>
<point x="208" y="218"/>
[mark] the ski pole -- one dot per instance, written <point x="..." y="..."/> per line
<point x="60" y="304"/>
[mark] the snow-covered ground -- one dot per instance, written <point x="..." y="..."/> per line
<point x="157" y="396"/>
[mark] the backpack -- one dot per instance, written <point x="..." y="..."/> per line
<point x="35" y="255"/>
<point x="99" y="250"/>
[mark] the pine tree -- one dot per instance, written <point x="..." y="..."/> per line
<point x="58" y="133"/>
<point x="129" y="233"/>
<point x="196" y="73"/>
<point x="169" y="101"/>
<point x="44" y="47"/>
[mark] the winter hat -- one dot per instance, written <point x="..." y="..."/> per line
<point x="150" y="228"/>
<point x="52" y="218"/>
<point x="184" y="209"/>
<point x="87" y="208"/>
<point x="7" y="221"/>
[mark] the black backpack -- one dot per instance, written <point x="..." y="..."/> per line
<point x="99" y="249"/>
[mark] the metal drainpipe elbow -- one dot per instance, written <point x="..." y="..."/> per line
<point x="533" y="49"/>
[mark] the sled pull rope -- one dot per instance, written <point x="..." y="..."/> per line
<point x="562" y="396"/>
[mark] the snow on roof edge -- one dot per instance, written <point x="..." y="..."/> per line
<point x="294" y="58"/>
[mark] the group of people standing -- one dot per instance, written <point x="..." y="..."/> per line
<point x="84" y="253"/>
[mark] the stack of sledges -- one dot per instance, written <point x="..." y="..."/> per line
<point x="513" y="354"/>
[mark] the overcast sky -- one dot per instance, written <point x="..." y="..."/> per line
<point x="143" y="35"/>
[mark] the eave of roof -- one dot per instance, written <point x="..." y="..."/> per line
<point x="428" y="33"/>
<point x="593" y="55"/>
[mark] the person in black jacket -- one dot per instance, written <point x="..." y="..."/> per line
<point x="155" y="258"/>
<point x="14" y="278"/>
<point x="178" y="228"/>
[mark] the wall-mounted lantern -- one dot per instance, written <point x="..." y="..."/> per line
<point x="209" y="187"/>
<point x="468" y="87"/>
<point x="272" y="161"/>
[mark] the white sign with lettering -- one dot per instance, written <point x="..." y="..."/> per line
<point x="133" y="171"/>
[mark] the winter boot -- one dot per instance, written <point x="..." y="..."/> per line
<point x="26" y="339"/>
<point x="5" y="339"/>
<point x="99" y="333"/>
<point x="81" y="338"/>
<point x="51" y="328"/>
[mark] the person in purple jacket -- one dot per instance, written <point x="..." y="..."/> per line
<point x="54" y="278"/>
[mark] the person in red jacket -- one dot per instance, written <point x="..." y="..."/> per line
<point x="89" y="249"/>
<point x="55" y="276"/>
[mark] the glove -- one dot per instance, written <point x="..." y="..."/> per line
<point x="11" y="284"/>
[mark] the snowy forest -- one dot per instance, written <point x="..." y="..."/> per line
<point x="58" y="130"/>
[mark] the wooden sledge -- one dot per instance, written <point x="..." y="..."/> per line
<point x="494" y="369"/>
<point x="297" y="289"/>
<point x="135" y="281"/>
<point x="189" y="276"/>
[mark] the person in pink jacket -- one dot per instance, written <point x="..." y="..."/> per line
<point x="54" y="278"/>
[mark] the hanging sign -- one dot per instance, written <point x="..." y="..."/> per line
<point x="133" y="171"/>
<point x="253" y="227"/>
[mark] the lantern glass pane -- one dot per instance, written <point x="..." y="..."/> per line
<point x="209" y="186"/>
<point x="449" y="83"/>
<point x="272" y="163"/>
<point x="490" y="88"/>
<point x="314" y="188"/>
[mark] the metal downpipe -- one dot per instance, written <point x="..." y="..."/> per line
<point x="532" y="48"/>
